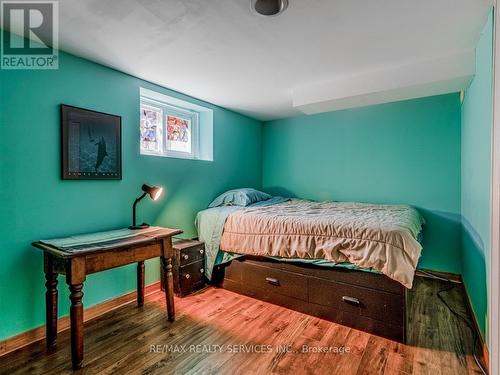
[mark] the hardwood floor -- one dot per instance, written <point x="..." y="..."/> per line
<point x="133" y="340"/>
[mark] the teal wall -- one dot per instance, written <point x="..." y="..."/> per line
<point x="404" y="152"/>
<point x="35" y="203"/>
<point x="476" y="177"/>
<point x="431" y="153"/>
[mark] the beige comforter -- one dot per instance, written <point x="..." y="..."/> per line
<point x="382" y="237"/>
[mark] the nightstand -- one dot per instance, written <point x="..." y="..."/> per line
<point x="188" y="266"/>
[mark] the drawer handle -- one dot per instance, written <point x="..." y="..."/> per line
<point x="202" y="270"/>
<point x="273" y="281"/>
<point x="187" y="276"/>
<point x="201" y="251"/>
<point x="351" y="300"/>
<point x="185" y="256"/>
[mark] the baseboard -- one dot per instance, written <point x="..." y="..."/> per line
<point x="37" y="334"/>
<point x="483" y="348"/>
<point x="446" y="275"/>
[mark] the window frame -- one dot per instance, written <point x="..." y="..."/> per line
<point x="167" y="109"/>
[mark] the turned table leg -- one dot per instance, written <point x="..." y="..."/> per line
<point x="162" y="278"/>
<point x="168" y="282"/>
<point x="50" y="302"/>
<point x="76" y="317"/>
<point x="75" y="276"/>
<point x="140" y="283"/>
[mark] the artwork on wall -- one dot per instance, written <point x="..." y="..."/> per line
<point x="90" y="145"/>
<point x="151" y="130"/>
<point x="179" y="133"/>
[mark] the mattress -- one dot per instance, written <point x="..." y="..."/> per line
<point x="380" y="237"/>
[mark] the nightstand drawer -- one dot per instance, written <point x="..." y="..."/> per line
<point x="191" y="255"/>
<point x="188" y="251"/>
<point x="190" y="278"/>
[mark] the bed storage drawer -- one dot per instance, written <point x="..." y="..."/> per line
<point x="374" y="310"/>
<point x="357" y="300"/>
<point x="390" y="330"/>
<point x="342" y="275"/>
<point x="275" y="280"/>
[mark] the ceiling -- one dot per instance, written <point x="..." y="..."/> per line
<point x="222" y="52"/>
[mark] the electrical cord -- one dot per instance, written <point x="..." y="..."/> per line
<point x="459" y="316"/>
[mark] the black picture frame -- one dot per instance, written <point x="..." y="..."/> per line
<point x="91" y="146"/>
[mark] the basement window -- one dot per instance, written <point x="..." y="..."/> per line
<point x="174" y="128"/>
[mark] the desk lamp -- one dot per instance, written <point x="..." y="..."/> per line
<point x="154" y="192"/>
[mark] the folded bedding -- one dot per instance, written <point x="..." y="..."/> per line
<point x="383" y="238"/>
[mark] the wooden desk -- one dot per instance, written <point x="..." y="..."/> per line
<point x="77" y="261"/>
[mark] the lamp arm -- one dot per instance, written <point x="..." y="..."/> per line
<point x="133" y="208"/>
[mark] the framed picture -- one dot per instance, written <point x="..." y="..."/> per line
<point x="90" y="144"/>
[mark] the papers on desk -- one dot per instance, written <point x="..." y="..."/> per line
<point x="101" y="239"/>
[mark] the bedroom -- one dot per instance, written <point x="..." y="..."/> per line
<point x="392" y="108"/>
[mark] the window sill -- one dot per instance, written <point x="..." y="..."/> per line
<point x="174" y="156"/>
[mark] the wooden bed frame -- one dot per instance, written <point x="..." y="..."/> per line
<point x="363" y="300"/>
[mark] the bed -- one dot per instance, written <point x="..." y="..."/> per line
<point x="348" y="262"/>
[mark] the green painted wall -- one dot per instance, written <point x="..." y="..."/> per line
<point x="36" y="204"/>
<point x="476" y="177"/>
<point x="416" y="152"/>
<point x="404" y="152"/>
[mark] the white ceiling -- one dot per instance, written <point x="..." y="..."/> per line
<point x="221" y="52"/>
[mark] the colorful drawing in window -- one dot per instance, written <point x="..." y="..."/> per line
<point x="179" y="134"/>
<point x="150" y="129"/>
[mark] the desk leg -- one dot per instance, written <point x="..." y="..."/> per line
<point x="162" y="278"/>
<point x="140" y="283"/>
<point x="50" y="302"/>
<point x="168" y="282"/>
<point x="76" y="317"/>
<point x="75" y="276"/>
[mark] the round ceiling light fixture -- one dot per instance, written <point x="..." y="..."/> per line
<point x="269" y="7"/>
